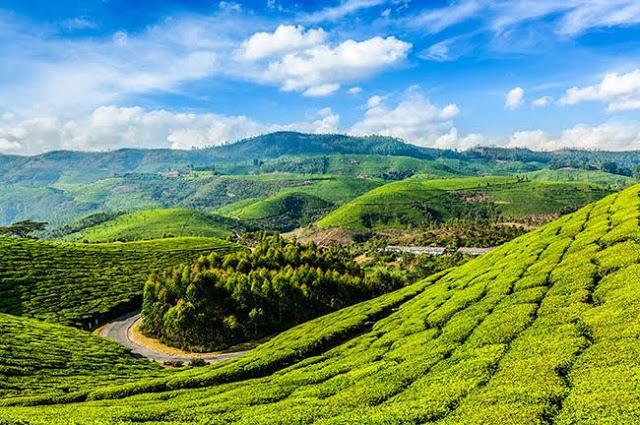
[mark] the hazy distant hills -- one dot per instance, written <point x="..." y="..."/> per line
<point x="84" y="167"/>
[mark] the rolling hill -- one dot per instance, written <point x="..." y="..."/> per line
<point x="299" y="205"/>
<point x="85" y="284"/>
<point x="157" y="224"/>
<point x="417" y="201"/>
<point x="42" y="358"/>
<point x="541" y="330"/>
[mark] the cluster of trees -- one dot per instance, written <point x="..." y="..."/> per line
<point x="23" y="229"/>
<point x="221" y="300"/>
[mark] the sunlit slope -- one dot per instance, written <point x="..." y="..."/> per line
<point x="83" y="284"/>
<point x="543" y="330"/>
<point x="39" y="358"/>
<point x="416" y="201"/>
<point x="156" y="224"/>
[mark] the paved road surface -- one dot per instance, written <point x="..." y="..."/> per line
<point x="120" y="331"/>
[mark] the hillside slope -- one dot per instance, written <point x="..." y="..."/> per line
<point x="42" y="358"/>
<point x="84" y="284"/>
<point x="544" y="329"/>
<point x="416" y="201"/>
<point x="156" y="224"/>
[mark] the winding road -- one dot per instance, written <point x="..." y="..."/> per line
<point x="120" y="331"/>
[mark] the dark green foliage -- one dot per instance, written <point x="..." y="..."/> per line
<point x="85" y="284"/>
<point x="221" y="300"/>
<point x="23" y="229"/>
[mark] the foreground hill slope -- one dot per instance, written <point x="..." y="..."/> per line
<point x="544" y="329"/>
<point x="42" y="358"/>
<point x="84" y="284"/>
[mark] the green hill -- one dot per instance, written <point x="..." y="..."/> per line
<point x="156" y="224"/>
<point x="298" y="205"/>
<point x="416" y="201"/>
<point x="541" y="330"/>
<point x="284" y="211"/>
<point x="41" y="358"/>
<point x="85" y="284"/>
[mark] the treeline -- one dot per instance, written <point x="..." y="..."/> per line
<point x="221" y="300"/>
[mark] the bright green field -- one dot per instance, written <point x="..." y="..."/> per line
<point x="42" y="358"/>
<point x="543" y="330"/>
<point x="417" y="200"/>
<point x="295" y="206"/>
<point x="85" y="284"/>
<point x="156" y="224"/>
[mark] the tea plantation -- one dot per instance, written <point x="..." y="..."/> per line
<point x="155" y="224"/>
<point x="543" y="330"/>
<point x="85" y="284"/>
<point x="418" y="201"/>
<point x="40" y="358"/>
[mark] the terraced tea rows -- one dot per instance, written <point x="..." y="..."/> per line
<point x="156" y="224"/>
<point x="84" y="284"/>
<point x="543" y="330"/>
<point x="38" y="358"/>
<point x="416" y="201"/>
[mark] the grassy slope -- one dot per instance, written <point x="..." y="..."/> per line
<point x="295" y="206"/>
<point x="401" y="203"/>
<point x="155" y="224"/>
<point x="542" y="330"/>
<point x="81" y="284"/>
<point x="42" y="358"/>
<point x="595" y="177"/>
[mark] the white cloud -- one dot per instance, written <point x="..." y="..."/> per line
<point x="435" y="20"/>
<point x="374" y="101"/>
<point x="414" y="119"/>
<point x="607" y="136"/>
<point x="354" y="90"/>
<point x="620" y="91"/>
<point x="285" y="39"/>
<point x="346" y="7"/>
<point x="230" y="6"/>
<point x="321" y="70"/>
<point x="543" y="101"/>
<point x="79" y="23"/>
<point x="112" y="127"/>
<point x="514" y="98"/>
<point x="569" y="18"/>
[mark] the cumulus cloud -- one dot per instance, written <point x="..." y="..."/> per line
<point x="620" y="91"/>
<point x="414" y="119"/>
<point x="285" y="39"/>
<point x="514" y="98"/>
<point x="607" y="136"/>
<point x="354" y="90"/>
<point x="112" y="127"/>
<point x="321" y="69"/>
<point x="542" y="101"/>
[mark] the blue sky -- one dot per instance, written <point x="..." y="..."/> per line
<point x="105" y="74"/>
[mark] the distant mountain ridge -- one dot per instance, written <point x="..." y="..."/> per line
<point x="48" y="167"/>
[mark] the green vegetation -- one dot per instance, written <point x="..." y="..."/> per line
<point x="419" y="202"/>
<point x="156" y="224"/>
<point x="219" y="301"/>
<point x="541" y="330"/>
<point x="23" y="229"/>
<point x="85" y="284"/>
<point x="39" y="359"/>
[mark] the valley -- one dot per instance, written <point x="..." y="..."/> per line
<point x="409" y="286"/>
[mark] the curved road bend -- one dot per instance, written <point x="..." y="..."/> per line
<point x="120" y="331"/>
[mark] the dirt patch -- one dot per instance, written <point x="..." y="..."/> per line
<point x="321" y="237"/>
<point x="474" y="197"/>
